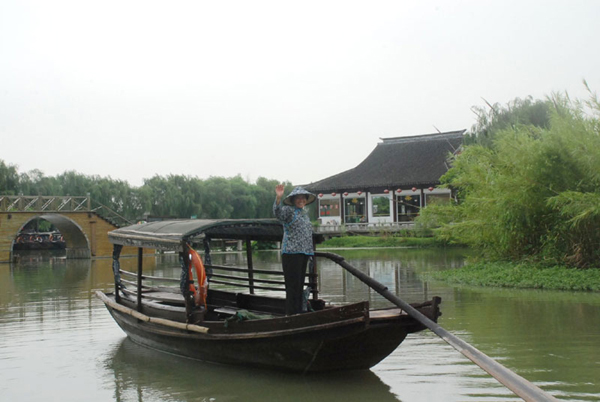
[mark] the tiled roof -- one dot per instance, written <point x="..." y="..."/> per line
<point x="397" y="162"/>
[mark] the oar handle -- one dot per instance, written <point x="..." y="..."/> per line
<point x="517" y="384"/>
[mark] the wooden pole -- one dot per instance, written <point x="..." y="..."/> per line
<point x="313" y="277"/>
<point x="517" y="384"/>
<point x="139" y="279"/>
<point x="250" y="265"/>
<point x="116" y="266"/>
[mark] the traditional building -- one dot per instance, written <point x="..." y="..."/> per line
<point x="392" y="184"/>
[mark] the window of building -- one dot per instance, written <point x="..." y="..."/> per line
<point x="408" y="207"/>
<point x="354" y="209"/>
<point x="380" y="206"/>
<point x="329" y="207"/>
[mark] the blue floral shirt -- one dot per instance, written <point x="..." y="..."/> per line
<point x="297" y="229"/>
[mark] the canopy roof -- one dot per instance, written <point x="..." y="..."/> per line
<point x="168" y="235"/>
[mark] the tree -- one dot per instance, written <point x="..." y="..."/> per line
<point x="9" y="179"/>
<point x="176" y="196"/>
<point x="35" y="183"/>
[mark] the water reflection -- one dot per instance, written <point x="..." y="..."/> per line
<point x="144" y="375"/>
<point x="399" y="270"/>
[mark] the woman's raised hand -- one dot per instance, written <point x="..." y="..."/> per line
<point x="279" y="191"/>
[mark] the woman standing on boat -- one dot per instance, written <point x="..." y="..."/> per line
<point x="297" y="245"/>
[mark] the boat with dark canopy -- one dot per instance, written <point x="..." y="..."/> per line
<point x="248" y="326"/>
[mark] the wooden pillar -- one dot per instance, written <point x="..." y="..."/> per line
<point x="116" y="267"/>
<point x="250" y="266"/>
<point x="313" y="276"/>
<point x="395" y="207"/>
<point x="139" y="279"/>
<point x="342" y="210"/>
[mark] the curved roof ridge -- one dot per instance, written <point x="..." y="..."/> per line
<point x="422" y="137"/>
<point x="397" y="161"/>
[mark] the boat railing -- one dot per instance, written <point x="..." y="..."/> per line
<point x="255" y="279"/>
<point x="146" y="277"/>
<point x="252" y="279"/>
<point x="152" y="287"/>
<point x="267" y="278"/>
<point x="228" y="277"/>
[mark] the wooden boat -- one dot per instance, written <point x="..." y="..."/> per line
<point x="245" y="327"/>
<point x="33" y="240"/>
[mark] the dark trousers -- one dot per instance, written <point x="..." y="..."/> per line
<point x="294" y="270"/>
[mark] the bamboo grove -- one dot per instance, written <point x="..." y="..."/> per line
<point x="528" y="184"/>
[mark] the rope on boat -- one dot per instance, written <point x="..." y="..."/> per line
<point x="145" y="318"/>
<point x="517" y="384"/>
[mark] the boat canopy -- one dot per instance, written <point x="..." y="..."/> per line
<point x="169" y="234"/>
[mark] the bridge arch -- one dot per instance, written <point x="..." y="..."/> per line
<point x="77" y="242"/>
<point x="84" y="228"/>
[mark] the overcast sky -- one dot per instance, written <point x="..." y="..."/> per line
<point x="286" y="90"/>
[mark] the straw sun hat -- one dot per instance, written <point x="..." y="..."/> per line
<point x="289" y="200"/>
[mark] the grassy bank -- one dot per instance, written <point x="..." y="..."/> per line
<point x="503" y="274"/>
<point x="383" y="241"/>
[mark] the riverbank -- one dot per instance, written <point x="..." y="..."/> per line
<point x="377" y="242"/>
<point x="525" y="276"/>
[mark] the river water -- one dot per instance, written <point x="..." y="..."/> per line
<point x="58" y="342"/>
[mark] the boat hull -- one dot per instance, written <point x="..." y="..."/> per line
<point x="343" y="338"/>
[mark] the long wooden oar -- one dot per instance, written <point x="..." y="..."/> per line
<point x="517" y="384"/>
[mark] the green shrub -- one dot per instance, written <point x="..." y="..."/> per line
<point x="533" y="276"/>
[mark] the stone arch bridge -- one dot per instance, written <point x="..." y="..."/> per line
<point x="83" y="224"/>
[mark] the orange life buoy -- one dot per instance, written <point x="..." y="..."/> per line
<point x="201" y="290"/>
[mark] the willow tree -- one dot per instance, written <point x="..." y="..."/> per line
<point x="9" y="179"/>
<point x="176" y="196"/>
<point x="533" y="194"/>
